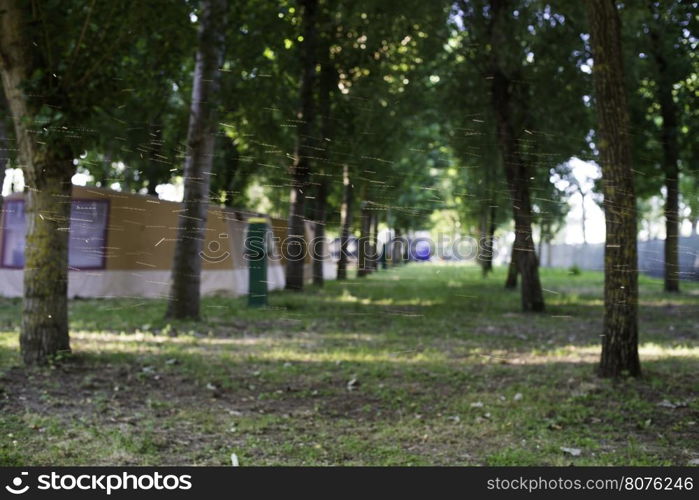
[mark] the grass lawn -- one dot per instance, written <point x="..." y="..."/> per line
<point x="422" y="365"/>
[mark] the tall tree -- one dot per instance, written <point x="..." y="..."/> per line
<point x="669" y="137"/>
<point x="184" y="300"/>
<point x="620" y="335"/>
<point x="301" y="168"/>
<point x="55" y="78"/>
<point x="516" y="168"/>
<point x="48" y="170"/>
<point x="326" y="91"/>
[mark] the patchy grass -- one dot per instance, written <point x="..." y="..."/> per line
<point x="446" y="370"/>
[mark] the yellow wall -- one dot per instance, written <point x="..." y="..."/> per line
<point x="142" y="231"/>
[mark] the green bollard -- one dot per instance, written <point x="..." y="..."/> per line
<point x="256" y="253"/>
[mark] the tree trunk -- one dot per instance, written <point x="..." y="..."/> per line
<point x="105" y="170"/>
<point x="185" y="297"/>
<point x="482" y="250"/>
<point x="669" y="139"/>
<point x="375" y="242"/>
<point x="345" y="222"/>
<point x="620" y="336"/>
<point x="488" y="240"/>
<point x="230" y="169"/>
<point x="319" y="236"/>
<point x="512" y="273"/>
<point x="48" y="168"/>
<point x="364" y="242"/>
<point x="516" y="169"/>
<point x="328" y="83"/>
<point x="155" y="147"/>
<point x="400" y="244"/>
<point x="47" y="212"/>
<point x="301" y="168"/>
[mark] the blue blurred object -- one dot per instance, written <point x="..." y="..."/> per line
<point x="422" y="249"/>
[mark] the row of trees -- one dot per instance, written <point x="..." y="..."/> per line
<point x="350" y="112"/>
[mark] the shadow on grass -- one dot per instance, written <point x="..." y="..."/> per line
<point x="408" y="367"/>
<point x="181" y="408"/>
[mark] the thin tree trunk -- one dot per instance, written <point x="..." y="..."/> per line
<point x="185" y="297"/>
<point x="230" y="169"/>
<point x="398" y="248"/>
<point x="155" y="148"/>
<point x="482" y="247"/>
<point x="512" y="272"/>
<point x="620" y="335"/>
<point x="375" y="241"/>
<point x="669" y="139"/>
<point x="319" y="236"/>
<point x="345" y="222"/>
<point x="328" y="82"/>
<point x="515" y="167"/>
<point x="301" y="168"/>
<point x="490" y="241"/>
<point x="364" y="241"/>
<point x="485" y="253"/>
<point x="48" y="168"/>
<point x="106" y="169"/>
<point x="406" y="248"/>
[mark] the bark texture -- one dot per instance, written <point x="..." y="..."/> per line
<point x="620" y="335"/>
<point x="184" y="301"/>
<point x="48" y="168"/>
<point x="301" y="168"/>
<point x="47" y="211"/>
